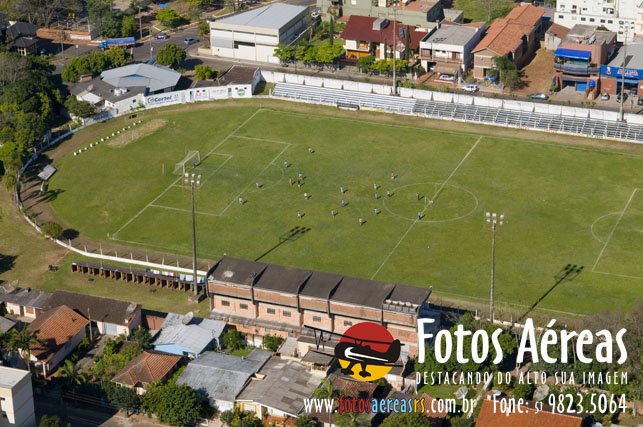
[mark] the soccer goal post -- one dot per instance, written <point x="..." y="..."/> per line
<point x="189" y="162"/>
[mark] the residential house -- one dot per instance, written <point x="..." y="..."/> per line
<point x="612" y="74"/>
<point x="431" y="405"/>
<point x="127" y="88"/>
<point x="111" y="317"/>
<point x="261" y="299"/>
<point x="416" y="13"/>
<point x="278" y="391"/>
<point x="146" y="368"/>
<point x="219" y="378"/>
<point x="448" y="50"/>
<point x="16" y="398"/>
<point x="515" y="36"/>
<point x="189" y="336"/>
<point x="351" y="389"/>
<point x="526" y="416"/>
<point x="22" y="37"/>
<point x="253" y="35"/>
<point x="6" y="325"/>
<point x="364" y="35"/>
<point x="578" y="59"/>
<point x="623" y="17"/>
<point x="59" y="330"/>
<point x="22" y="302"/>
<point x="554" y="36"/>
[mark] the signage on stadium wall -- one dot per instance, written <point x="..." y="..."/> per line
<point x="163" y="98"/>
<point x="630" y="73"/>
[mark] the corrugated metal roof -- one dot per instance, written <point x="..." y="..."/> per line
<point x="273" y="16"/>
<point x="153" y="77"/>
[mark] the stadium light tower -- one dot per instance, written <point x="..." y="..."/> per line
<point x="495" y="220"/>
<point x="194" y="181"/>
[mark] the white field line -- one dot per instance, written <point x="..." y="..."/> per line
<point x="609" y="237"/>
<point x="179" y="178"/>
<point x="172" y="208"/>
<point x="618" y="275"/>
<point x="258" y="175"/>
<point x="426" y="206"/>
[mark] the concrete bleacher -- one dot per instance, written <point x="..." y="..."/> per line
<point x="583" y="126"/>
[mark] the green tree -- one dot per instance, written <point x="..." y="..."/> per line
<point x="505" y="71"/>
<point x="169" y="18"/>
<point x="21" y="341"/>
<point x="234" y="340"/>
<point x="205" y="72"/>
<point x="272" y="342"/>
<point x="416" y="419"/>
<point x="98" y="11"/>
<point x="49" y="421"/>
<point x="284" y="52"/>
<point x="128" y="26"/>
<point x="79" y="108"/>
<point x="204" y="28"/>
<point x="72" y="375"/>
<point x="171" y="55"/>
<point x="325" y="391"/>
<point x="365" y="63"/>
<point x="123" y="398"/>
<point x="327" y="53"/>
<point x="238" y="418"/>
<point x="112" y="24"/>
<point x="52" y="229"/>
<point x="142" y="337"/>
<point x="173" y="404"/>
<point x="116" y="57"/>
<point x="461" y="422"/>
<point x="524" y="391"/>
<point x="306" y="421"/>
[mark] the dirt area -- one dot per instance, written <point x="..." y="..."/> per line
<point x="137" y="133"/>
<point x="538" y="73"/>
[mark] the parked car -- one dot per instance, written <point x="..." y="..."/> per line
<point x="161" y="36"/>
<point x="539" y="96"/>
<point x="605" y="97"/>
<point x="315" y="14"/>
<point x="621" y="97"/>
<point x="189" y="40"/>
<point x="470" y="88"/>
<point x="447" y="77"/>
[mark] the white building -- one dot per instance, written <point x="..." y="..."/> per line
<point x="254" y="35"/>
<point x="624" y="17"/>
<point x="16" y="398"/>
<point x="448" y="49"/>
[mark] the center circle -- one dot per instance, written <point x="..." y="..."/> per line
<point x="436" y="202"/>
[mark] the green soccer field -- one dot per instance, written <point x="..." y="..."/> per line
<point x="563" y="204"/>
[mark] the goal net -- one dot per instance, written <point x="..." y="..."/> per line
<point x="189" y="162"/>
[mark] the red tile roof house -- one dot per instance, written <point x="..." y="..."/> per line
<point x="493" y="417"/>
<point x="59" y="331"/>
<point x="147" y="368"/>
<point x="365" y="36"/>
<point x="515" y="36"/>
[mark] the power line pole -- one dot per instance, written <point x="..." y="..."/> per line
<point x="622" y="115"/>
<point x="140" y="22"/>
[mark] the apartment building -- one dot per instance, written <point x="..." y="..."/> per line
<point x="515" y="36"/>
<point x="624" y="17"/>
<point x="579" y="56"/>
<point x="16" y="398"/>
<point x="261" y="299"/>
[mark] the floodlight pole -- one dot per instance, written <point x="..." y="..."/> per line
<point x="495" y="220"/>
<point x="194" y="181"/>
<point x="140" y="23"/>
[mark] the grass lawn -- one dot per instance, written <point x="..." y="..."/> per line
<point x="440" y="391"/>
<point x="565" y="204"/>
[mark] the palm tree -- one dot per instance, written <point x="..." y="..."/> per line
<point x="20" y="341"/>
<point x="72" y="374"/>
<point x="325" y="391"/>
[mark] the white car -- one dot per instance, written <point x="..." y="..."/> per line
<point x="447" y="77"/>
<point x="470" y="88"/>
<point x="316" y="14"/>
